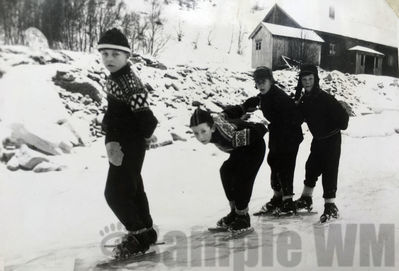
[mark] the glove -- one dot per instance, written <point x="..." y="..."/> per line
<point x="114" y="152"/>
<point x="251" y="104"/>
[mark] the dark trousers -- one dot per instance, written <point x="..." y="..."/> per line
<point x="124" y="190"/>
<point x="282" y="166"/>
<point x="324" y="160"/>
<point x="239" y="171"/>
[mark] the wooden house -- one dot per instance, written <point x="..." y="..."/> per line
<point x="335" y="35"/>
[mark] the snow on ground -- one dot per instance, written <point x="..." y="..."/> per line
<point x="53" y="221"/>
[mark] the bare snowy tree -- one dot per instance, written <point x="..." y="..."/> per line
<point x="210" y="36"/>
<point x="231" y="41"/>
<point x="179" y="31"/>
<point x="195" y="42"/>
<point x="240" y="39"/>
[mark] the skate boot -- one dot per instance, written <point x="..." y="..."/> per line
<point x="135" y="242"/>
<point x="287" y="208"/>
<point x="271" y="206"/>
<point x="240" y="223"/>
<point x="225" y="222"/>
<point x="304" y="202"/>
<point x="330" y="211"/>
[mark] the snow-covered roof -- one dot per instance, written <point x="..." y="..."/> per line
<point x="368" y="20"/>
<point x="365" y="49"/>
<point x="291" y="32"/>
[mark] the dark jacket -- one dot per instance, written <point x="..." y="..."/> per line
<point x="324" y="115"/>
<point x="128" y="114"/>
<point x="284" y="119"/>
<point x="231" y="134"/>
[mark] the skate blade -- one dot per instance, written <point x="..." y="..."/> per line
<point x="328" y="221"/>
<point x="153" y="245"/>
<point x="218" y="229"/>
<point x="239" y="234"/>
<point x="127" y="260"/>
<point x="264" y="213"/>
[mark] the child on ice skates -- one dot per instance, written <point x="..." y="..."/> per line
<point x="285" y="135"/>
<point x="244" y="142"/>
<point x="129" y="124"/>
<point x="325" y="117"/>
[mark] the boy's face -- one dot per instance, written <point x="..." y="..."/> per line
<point x="114" y="60"/>
<point x="263" y="85"/>
<point x="308" y="82"/>
<point x="203" y="132"/>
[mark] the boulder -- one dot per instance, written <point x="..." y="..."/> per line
<point x="80" y="128"/>
<point x="7" y="155"/>
<point x="46" y="137"/>
<point x="28" y="158"/>
<point x="35" y="39"/>
<point x="13" y="164"/>
<point x="177" y="137"/>
<point x="172" y="75"/>
<point x="75" y="81"/>
<point x="21" y="133"/>
<point x="163" y="138"/>
<point x="46" y="167"/>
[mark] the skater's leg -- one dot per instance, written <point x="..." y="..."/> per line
<point x="330" y="170"/>
<point x="313" y="169"/>
<point x="227" y="172"/>
<point x="251" y="159"/>
<point x="314" y="164"/>
<point x="274" y="178"/>
<point x="286" y="167"/>
<point x="122" y="185"/>
<point x="142" y="203"/>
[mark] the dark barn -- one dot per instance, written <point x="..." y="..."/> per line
<point x="343" y="43"/>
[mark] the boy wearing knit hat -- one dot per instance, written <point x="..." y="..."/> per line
<point x="129" y="124"/>
<point x="244" y="142"/>
<point x="285" y="136"/>
<point x="325" y="117"/>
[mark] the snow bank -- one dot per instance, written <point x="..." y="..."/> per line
<point x="374" y="125"/>
<point x="28" y="96"/>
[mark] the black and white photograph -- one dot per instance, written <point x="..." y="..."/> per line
<point x="199" y="135"/>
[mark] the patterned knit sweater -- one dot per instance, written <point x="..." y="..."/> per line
<point x="235" y="133"/>
<point x="128" y="113"/>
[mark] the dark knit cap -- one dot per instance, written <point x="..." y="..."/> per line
<point x="262" y="73"/>
<point x="114" y="39"/>
<point x="307" y="69"/>
<point x="200" y="116"/>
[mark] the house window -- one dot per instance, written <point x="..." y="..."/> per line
<point x="258" y="45"/>
<point x="390" y="60"/>
<point x="332" y="49"/>
<point x="331" y="13"/>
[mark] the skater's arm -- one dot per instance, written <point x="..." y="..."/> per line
<point x="137" y="98"/>
<point x="237" y="111"/>
<point x="233" y="111"/>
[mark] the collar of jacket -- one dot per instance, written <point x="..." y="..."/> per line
<point x="313" y="93"/>
<point x="270" y="92"/>
<point x="124" y="70"/>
